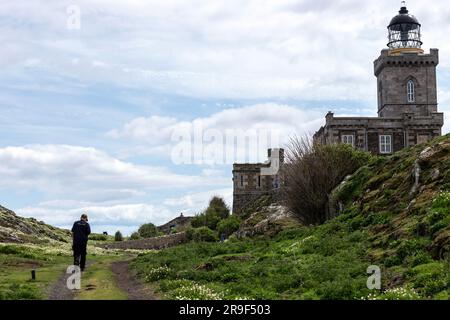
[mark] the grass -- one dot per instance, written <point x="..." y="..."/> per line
<point x="325" y="262"/>
<point x="297" y="264"/>
<point x="16" y="263"/>
<point x="381" y="223"/>
<point x="98" y="282"/>
<point x="50" y="261"/>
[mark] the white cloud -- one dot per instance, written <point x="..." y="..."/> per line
<point x="126" y="217"/>
<point x="87" y="173"/>
<point x="268" y="120"/>
<point x="301" y="49"/>
<point x="193" y="203"/>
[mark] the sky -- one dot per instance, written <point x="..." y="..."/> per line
<point x="132" y="111"/>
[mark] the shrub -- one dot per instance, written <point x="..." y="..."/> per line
<point x="219" y="206"/>
<point x="135" y="236"/>
<point x="158" y="273"/>
<point x="148" y="230"/>
<point x="216" y="211"/>
<point x="312" y="172"/>
<point x="202" y="234"/>
<point x="98" y="237"/>
<point x="118" y="236"/>
<point x="198" y="221"/>
<point x="229" y="225"/>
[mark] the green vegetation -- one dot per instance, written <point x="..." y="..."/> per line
<point x="50" y="262"/>
<point x="381" y="221"/>
<point x="28" y="230"/>
<point x="100" y="237"/>
<point x="202" y="234"/>
<point x="313" y="171"/>
<point x="213" y="222"/>
<point x="118" y="236"/>
<point x="148" y="230"/>
<point x="16" y="263"/>
<point x="229" y="225"/>
<point x="135" y="236"/>
<point x="98" y="282"/>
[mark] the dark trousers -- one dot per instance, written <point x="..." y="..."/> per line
<point x="79" y="255"/>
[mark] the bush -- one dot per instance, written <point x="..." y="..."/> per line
<point x="135" y="236"/>
<point x="98" y="237"/>
<point x="229" y="225"/>
<point x="202" y="234"/>
<point x="217" y="210"/>
<point x="148" y="230"/>
<point x="313" y="171"/>
<point x="219" y="206"/>
<point x="118" y="236"/>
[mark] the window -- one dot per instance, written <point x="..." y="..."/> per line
<point x="242" y="180"/>
<point x="259" y="181"/>
<point x="348" y="139"/>
<point x="385" y="144"/>
<point x="410" y="91"/>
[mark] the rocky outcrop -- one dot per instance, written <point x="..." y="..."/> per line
<point x="335" y="206"/>
<point x="14" y="228"/>
<point x="268" y="221"/>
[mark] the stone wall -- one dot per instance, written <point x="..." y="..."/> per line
<point x="150" y="243"/>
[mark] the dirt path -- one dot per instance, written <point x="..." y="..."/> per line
<point x="59" y="290"/>
<point x="125" y="280"/>
<point x="128" y="282"/>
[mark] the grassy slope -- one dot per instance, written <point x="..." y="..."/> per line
<point x="17" y="229"/>
<point x="381" y="223"/>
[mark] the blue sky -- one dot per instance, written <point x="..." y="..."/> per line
<point x="88" y="114"/>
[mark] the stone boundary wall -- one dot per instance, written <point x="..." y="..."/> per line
<point x="150" y="243"/>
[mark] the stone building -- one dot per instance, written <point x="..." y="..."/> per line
<point x="252" y="180"/>
<point x="407" y="96"/>
<point x="178" y="223"/>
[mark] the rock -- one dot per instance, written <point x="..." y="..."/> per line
<point x="426" y="154"/>
<point x="440" y="248"/>
<point x="268" y="220"/>
<point x="411" y="204"/>
<point x="416" y="176"/>
<point x="435" y="174"/>
<point x="335" y="207"/>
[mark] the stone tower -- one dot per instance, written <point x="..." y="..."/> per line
<point x="406" y="76"/>
<point x="407" y="97"/>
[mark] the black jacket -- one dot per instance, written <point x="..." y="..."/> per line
<point x="81" y="230"/>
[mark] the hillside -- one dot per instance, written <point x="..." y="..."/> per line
<point x="394" y="213"/>
<point x="27" y="230"/>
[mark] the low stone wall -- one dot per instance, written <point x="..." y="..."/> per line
<point x="150" y="243"/>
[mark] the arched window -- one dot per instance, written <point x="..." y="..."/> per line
<point x="410" y="91"/>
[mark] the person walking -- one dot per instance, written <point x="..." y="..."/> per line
<point x="80" y="232"/>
